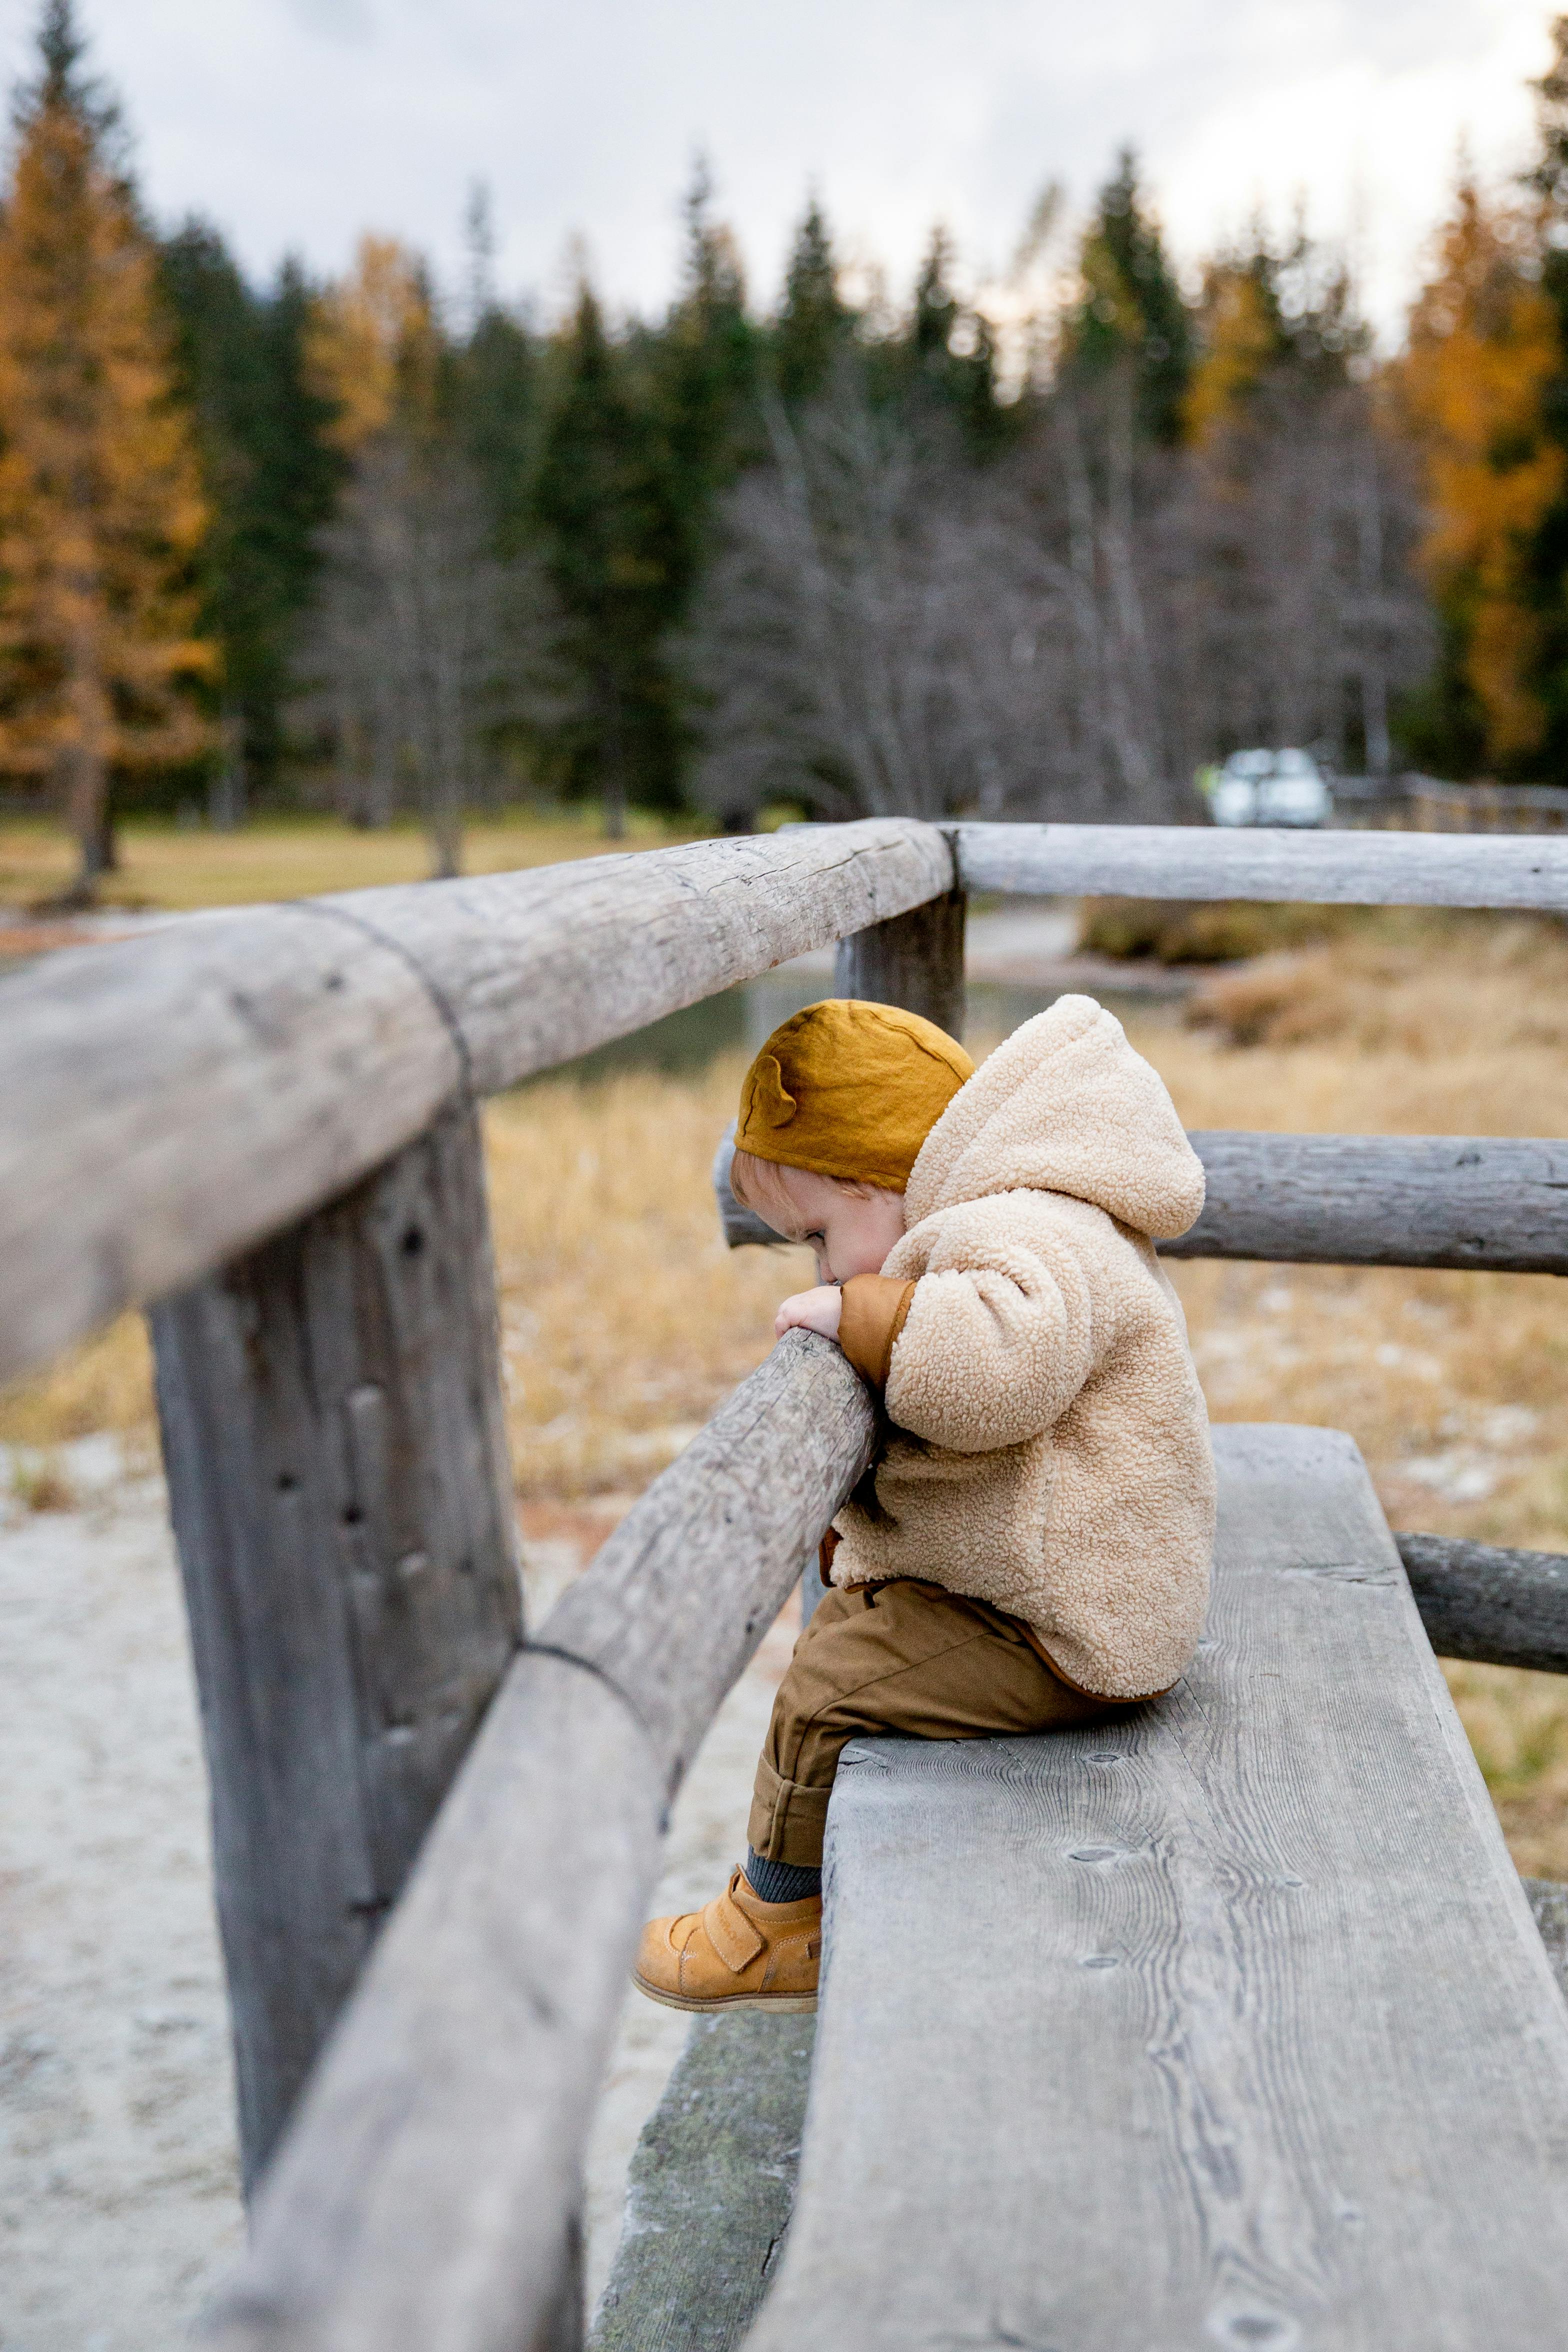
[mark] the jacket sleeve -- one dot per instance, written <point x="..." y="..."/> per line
<point x="994" y="1348"/>
<point x="873" y="1309"/>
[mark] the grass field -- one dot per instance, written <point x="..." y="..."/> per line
<point x="165" y="866"/>
<point x="624" y="1320"/>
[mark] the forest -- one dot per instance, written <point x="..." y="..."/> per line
<point x="399" y="549"/>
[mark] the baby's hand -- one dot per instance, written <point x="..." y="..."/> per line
<point x="810" y="1310"/>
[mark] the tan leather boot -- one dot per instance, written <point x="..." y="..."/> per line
<point x="738" y="1953"/>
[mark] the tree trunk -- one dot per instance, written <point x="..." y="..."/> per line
<point x="612" y="761"/>
<point x="445" y="819"/>
<point x="83" y="779"/>
<point x="225" y="794"/>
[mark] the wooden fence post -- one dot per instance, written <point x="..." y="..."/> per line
<point x="914" y="959"/>
<point x="341" y="1499"/>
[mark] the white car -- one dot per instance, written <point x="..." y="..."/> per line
<point x="1270" y="788"/>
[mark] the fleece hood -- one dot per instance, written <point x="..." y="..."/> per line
<point x="1065" y="1106"/>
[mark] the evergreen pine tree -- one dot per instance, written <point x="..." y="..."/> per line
<point x="270" y="479"/>
<point x="101" y="513"/>
<point x="605" y="512"/>
<point x="1130" y="310"/>
<point x="704" y="374"/>
<point x="814" y="323"/>
<point x="496" y="389"/>
<point x="1546" y="568"/>
<point x="946" y="361"/>
<point x="498" y="405"/>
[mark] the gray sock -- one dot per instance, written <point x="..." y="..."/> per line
<point x="780" y="1882"/>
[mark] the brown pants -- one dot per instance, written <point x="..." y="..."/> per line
<point x="905" y="1656"/>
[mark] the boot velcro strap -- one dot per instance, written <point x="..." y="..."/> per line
<point x="733" y="1936"/>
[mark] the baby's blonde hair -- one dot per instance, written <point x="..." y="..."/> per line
<point x="761" y="1186"/>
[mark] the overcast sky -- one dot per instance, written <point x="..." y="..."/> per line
<point x="297" y="123"/>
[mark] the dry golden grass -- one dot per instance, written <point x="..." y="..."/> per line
<point x="295" y="858"/>
<point x="106" y="1383"/>
<point x="624" y="1320"/>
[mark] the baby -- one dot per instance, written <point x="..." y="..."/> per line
<point x="1031" y="1546"/>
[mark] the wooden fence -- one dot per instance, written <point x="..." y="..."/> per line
<point x="263" y="1126"/>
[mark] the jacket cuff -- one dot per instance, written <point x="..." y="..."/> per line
<point x="873" y="1311"/>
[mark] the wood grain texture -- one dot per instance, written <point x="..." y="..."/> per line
<point x="426" y="2191"/>
<point x="1476" y="1601"/>
<point x="342" y="1500"/>
<point x="689" y="1584"/>
<point x="914" y="959"/>
<point x="1222" y="2022"/>
<point x="168" y="1102"/>
<point x="1347" y="869"/>
<point x="711" y="2190"/>
<point x="1548" y="1904"/>
<point x="1482" y="1201"/>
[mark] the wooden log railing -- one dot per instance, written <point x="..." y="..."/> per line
<point x="262" y="1123"/>
<point x="168" y="1102"/>
<point x="1328" y="869"/>
<point x="1486" y="1203"/>
<point x="428" y="2194"/>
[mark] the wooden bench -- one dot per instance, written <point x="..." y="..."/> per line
<point x="1223" y="2023"/>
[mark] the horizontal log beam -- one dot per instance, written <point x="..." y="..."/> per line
<point x="1483" y="1203"/>
<point x="1199" y="861"/>
<point x="425" y="2192"/>
<point x="1486" y="1202"/>
<point x="170" y="1101"/>
<point x="1500" y="1608"/>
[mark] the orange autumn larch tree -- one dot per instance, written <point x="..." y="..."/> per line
<point x="101" y="510"/>
<point x="372" y="347"/>
<point x="1483" y="351"/>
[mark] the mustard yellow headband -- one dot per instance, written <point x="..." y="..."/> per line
<point x="849" y="1089"/>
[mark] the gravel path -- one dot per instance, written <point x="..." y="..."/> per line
<point x="118" y="2195"/>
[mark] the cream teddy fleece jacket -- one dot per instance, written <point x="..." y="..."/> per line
<point x="1050" y="1448"/>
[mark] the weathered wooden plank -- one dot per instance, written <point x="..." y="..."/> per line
<point x="1548" y="1908"/>
<point x="1486" y="1202"/>
<point x="425" y="2191"/>
<point x="1476" y="1601"/>
<point x="710" y="2188"/>
<point x="1224" y="2021"/>
<point x="1347" y="869"/>
<point x="341" y="1499"/>
<point x="914" y="959"/>
<point x="712" y="2183"/>
<point x="168" y="1102"/>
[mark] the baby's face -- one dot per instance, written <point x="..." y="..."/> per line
<point x="852" y="1232"/>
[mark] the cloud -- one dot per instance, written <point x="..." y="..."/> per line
<point x="296" y="123"/>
